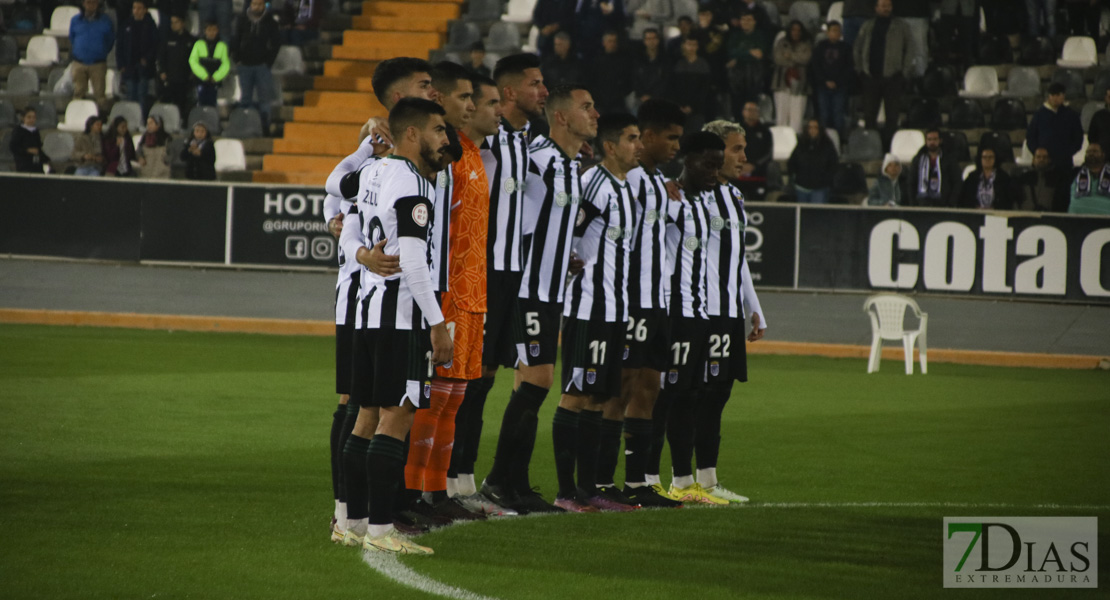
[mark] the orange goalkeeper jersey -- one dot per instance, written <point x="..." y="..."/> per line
<point x="466" y="277"/>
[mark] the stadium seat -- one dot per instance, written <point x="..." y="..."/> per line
<point x="849" y="183"/>
<point x="230" y="156"/>
<point x="1008" y="113"/>
<point x="966" y="114"/>
<point x="939" y="81"/>
<point x="1078" y="158"/>
<point x="483" y="10"/>
<point x="52" y="88"/>
<point x="1023" y="82"/>
<point x="244" y="123"/>
<point x="504" y="37"/>
<point x="111" y="84"/>
<point x="955" y="144"/>
<point x="836" y="12"/>
<point x="1088" y="113"/>
<point x="1024" y="159"/>
<point x="864" y="145"/>
<point x="999" y="141"/>
<point x="533" y="40"/>
<point x="131" y="111"/>
<point x="1074" y="87"/>
<point x="906" y="143"/>
<point x="9" y="50"/>
<point x="25" y="19"/>
<point x="58" y="145"/>
<point x="834" y="135"/>
<point x="685" y="8"/>
<point x="208" y="114"/>
<point x="42" y="51"/>
<point x="980" y="82"/>
<point x="46" y="113"/>
<point x="77" y="112"/>
<point x="7" y="114"/>
<point x="229" y="92"/>
<point x="462" y="35"/>
<point x="171" y="117"/>
<point x="519" y="11"/>
<point x="22" y="81"/>
<point x="289" y="61"/>
<point x="156" y="15"/>
<point x="968" y="170"/>
<point x="809" y="13"/>
<point x="1102" y="83"/>
<point x="766" y="107"/>
<point x="888" y="315"/>
<point x="59" y="20"/>
<point x="1079" y="53"/>
<point x="783" y="141"/>
<point x="194" y="23"/>
<point x="1037" y="52"/>
<point x="922" y="113"/>
<point x="773" y="14"/>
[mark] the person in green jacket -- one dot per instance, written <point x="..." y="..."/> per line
<point x="210" y="64"/>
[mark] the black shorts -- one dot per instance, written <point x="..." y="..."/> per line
<point x="686" y="363"/>
<point x="391" y="367"/>
<point x="539" y="327"/>
<point x="726" y="356"/>
<point x="502" y="333"/>
<point x="646" y="340"/>
<point x="592" y="358"/>
<point x="344" y="338"/>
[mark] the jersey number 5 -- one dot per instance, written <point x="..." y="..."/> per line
<point x="532" y="323"/>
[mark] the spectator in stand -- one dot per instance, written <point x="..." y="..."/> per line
<point x="26" y="145"/>
<point x="887" y="190"/>
<point x="173" y="64"/>
<point x="137" y="53"/>
<point x="916" y="14"/>
<point x="562" y="66"/>
<point x="91" y="37"/>
<point x="1056" y="127"/>
<point x="988" y="187"/>
<point x="934" y="177"/>
<point x="303" y="17"/>
<point x="855" y="13"/>
<point x="1039" y="11"/>
<point x="200" y="155"/>
<point x="833" y="75"/>
<point x="689" y="84"/>
<point x="209" y="63"/>
<point x="648" y="14"/>
<point x="610" y="75"/>
<point x="749" y="55"/>
<point x="792" y="55"/>
<point x="256" y="48"/>
<point x="218" y="11"/>
<point x="731" y="11"/>
<point x="649" y="71"/>
<point x="685" y="30"/>
<point x="119" y="150"/>
<point x="1099" y="129"/>
<point x="552" y="17"/>
<point x="812" y="165"/>
<point x="592" y="19"/>
<point x="883" y="56"/>
<point x="152" y="150"/>
<point x="88" y="149"/>
<point x="753" y="172"/>
<point x="167" y="8"/>
<point x="964" y="14"/>
<point x="1045" y="187"/>
<point x="477" y="64"/>
<point x="1090" y="190"/>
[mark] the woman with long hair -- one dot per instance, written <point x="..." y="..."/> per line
<point x="199" y="155"/>
<point x="88" y="149"/>
<point x="792" y="54"/>
<point x="119" y="150"/>
<point x="152" y="150"/>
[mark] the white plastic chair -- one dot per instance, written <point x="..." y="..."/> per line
<point x="1022" y="82"/>
<point x="1079" y="53"/>
<point x="783" y="141"/>
<point x="968" y="170"/>
<point x="156" y="15"/>
<point x="518" y="11"/>
<point x="888" y="312"/>
<point x="42" y="51"/>
<point x="980" y="82"/>
<point x="77" y="112"/>
<point x="533" y="40"/>
<point x="1080" y="157"/>
<point x="836" y="12"/>
<point x="906" y="143"/>
<point x="230" y="156"/>
<point x="289" y="61"/>
<point x="60" y="19"/>
<point x="1025" y="159"/>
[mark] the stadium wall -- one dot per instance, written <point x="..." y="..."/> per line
<point x="1051" y="257"/>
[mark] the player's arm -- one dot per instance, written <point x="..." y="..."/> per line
<point x="333" y="215"/>
<point x="346" y="166"/>
<point x="413" y="214"/>
<point x="750" y="302"/>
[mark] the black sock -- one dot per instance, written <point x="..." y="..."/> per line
<point x="564" y="436"/>
<point x="384" y="456"/>
<point x="707" y="436"/>
<point x="348" y="426"/>
<point x="468" y="426"/>
<point x="680" y="433"/>
<point x="637" y="445"/>
<point x="354" y="475"/>
<point x="609" y="451"/>
<point x="474" y="427"/>
<point x="589" y="438"/>
<point x="659" y="415"/>
<point x="438" y="496"/>
<point x="337" y="419"/>
<point x="517" y="437"/>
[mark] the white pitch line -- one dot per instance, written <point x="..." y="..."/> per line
<point x="388" y="565"/>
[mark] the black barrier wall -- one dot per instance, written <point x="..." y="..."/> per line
<point x="996" y="254"/>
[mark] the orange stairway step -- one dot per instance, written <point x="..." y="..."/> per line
<point x="317" y="179"/>
<point x="422" y="23"/>
<point x="449" y="9"/>
<point x="338" y="148"/>
<point x="370" y="53"/>
<point x="309" y="114"/>
<point x="344" y="84"/>
<point x="299" y="163"/>
<point x="349" y="68"/>
<point x="361" y="101"/>
<point x="343" y="132"/>
<point x="390" y="39"/>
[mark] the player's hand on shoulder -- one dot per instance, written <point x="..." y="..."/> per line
<point x="673" y="191"/>
<point x="378" y="130"/>
<point x="575" y="265"/>
<point x="378" y="261"/>
<point x="335" y="225"/>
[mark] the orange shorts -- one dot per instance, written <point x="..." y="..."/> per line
<point x="466" y="329"/>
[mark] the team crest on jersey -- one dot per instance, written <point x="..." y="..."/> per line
<point x="672" y="376"/>
<point x="714" y="368"/>
<point x="427" y="389"/>
<point x="534" y="348"/>
<point x="510" y="185"/>
<point x="561" y="199"/>
<point x="420" y="214"/>
<point x="626" y="351"/>
<point x="717" y="223"/>
<point x="691" y="243"/>
<point x="441" y="180"/>
<point x="613" y="233"/>
<point x="591" y="376"/>
<point x="652" y="215"/>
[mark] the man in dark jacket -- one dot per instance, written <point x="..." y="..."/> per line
<point x="833" y="76"/>
<point x="883" y="54"/>
<point x="1056" y="128"/>
<point x="650" y="69"/>
<point x="173" y="64"/>
<point x="934" y="176"/>
<point x="137" y="53"/>
<point x="760" y="151"/>
<point x="610" y="80"/>
<point x="551" y="17"/>
<point x="561" y="66"/>
<point x="1045" y="188"/>
<point x="1099" y="129"/>
<point x="255" y="48"/>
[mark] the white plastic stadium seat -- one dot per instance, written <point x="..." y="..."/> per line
<point x="967" y="171"/>
<point x="888" y="313"/>
<point x="289" y="61"/>
<point x="1022" y="82"/>
<point x="906" y="143"/>
<point x="77" y="112"/>
<point x="1025" y="159"/>
<point x="519" y="11"/>
<point x="980" y="82"/>
<point x="156" y="15"/>
<point x="230" y="156"/>
<point x="59" y="20"/>
<point x="783" y="141"/>
<point x="836" y="12"/>
<point x="533" y="40"/>
<point x="42" y="51"/>
<point x="1079" y="53"/>
<point x="132" y="112"/>
<point x="1079" y="157"/>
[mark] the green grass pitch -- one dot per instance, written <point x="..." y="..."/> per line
<point x="138" y="464"/>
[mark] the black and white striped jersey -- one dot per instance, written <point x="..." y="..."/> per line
<point x="550" y="208"/>
<point x="687" y="241"/>
<point x="348" y="282"/>
<point x="394" y="200"/>
<point x="647" y="281"/>
<point x="726" y="251"/>
<point x="439" y="230"/>
<point x="604" y="233"/>
<point x="505" y="156"/>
